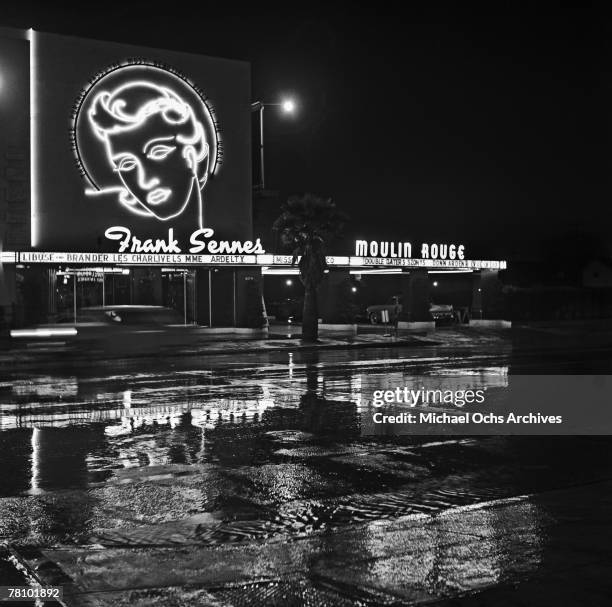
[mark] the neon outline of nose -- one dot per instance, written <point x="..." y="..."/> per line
<point x="141" y="178"/>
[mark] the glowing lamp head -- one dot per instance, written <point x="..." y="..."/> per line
<point x="288" y="106"/>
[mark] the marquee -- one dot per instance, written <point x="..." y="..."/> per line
<point x="186" y="259"/>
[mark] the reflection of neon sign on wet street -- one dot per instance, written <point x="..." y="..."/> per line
<point x="148" y="140"/>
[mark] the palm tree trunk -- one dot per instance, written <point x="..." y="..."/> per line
<point x="310" y="315"/>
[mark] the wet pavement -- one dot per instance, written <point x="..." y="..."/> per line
<point x="244" y="479"/>
<point x="89" y="347"/>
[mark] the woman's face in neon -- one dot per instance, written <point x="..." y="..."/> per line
<point x="158" y="170"/>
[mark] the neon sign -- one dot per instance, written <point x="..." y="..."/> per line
<point x="399" y="250"/>
<point x="200" y="241"/>
<point x="146" y="136"/>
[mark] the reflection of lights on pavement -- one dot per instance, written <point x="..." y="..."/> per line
<point x="484" y="377"/>
<point x="127" y="399"/>
<point x="232" y="411"/>
<point x="511" y="528"/>
<point x="355" y="387"/>
<point x="121" y="430"/>
<point x="46" y="386"/>
<point x="35" y="477"/>
<point x="131" y="421"/>
<point x="201" y="418"/>
<point x="291" y="365"/>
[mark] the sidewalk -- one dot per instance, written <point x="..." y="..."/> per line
<point x="195" y="342"/>
<point x="549" y="548"/>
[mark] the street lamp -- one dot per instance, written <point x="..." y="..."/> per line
<point x="288" y="106"/>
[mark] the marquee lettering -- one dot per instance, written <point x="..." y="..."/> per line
<point x="442" y="251"/>
<point x="200" y="241"/>
<point x="403" y="250"/>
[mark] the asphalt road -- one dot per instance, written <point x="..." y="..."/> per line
<point x="247" y="480"/>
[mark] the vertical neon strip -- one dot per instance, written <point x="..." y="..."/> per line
<point x="33" y="159"/>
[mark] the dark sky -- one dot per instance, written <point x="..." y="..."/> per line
<point x="461" y="125"/>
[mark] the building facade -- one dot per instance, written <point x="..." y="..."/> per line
<point x="126" y="179"/>
<point x="109" y="149"/>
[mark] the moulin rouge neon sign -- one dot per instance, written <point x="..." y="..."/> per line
<point x="385" y="249"/>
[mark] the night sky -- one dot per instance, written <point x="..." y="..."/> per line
<point x="490" y="129"/>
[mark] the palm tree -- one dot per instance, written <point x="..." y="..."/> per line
<point x="306" y="224"/>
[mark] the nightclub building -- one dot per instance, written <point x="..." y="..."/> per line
<point x="126" y="179"/>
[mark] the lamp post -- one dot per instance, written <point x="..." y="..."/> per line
<point x="287" y="107"/>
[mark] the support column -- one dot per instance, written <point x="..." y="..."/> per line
<point x="8" y="297"/>
<point x="202" y="314"/>
<point x="493" y="305"/>
<point x="491" y="299"/>
<point x="34" y="293"/>
<point x="476" y="306"/>
<point x="249" y="298"/>
<point x="222" y="288"/>
<point x="336" y="299"/>
<point x="416" y="297"/>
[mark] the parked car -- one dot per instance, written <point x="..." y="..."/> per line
<point x="284" y="309"/>
<point x="439" y="312"/>
<point x="442" y="312"/>
<point x="125" y="315"/>
<point x="393" y="307"/>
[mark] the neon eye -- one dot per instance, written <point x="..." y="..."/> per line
<point x="159" y="152"/>
<point x="126" y="164"/>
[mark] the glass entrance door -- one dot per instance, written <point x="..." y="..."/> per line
<point x="179" y="292"/>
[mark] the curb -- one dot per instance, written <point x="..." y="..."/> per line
<point x="72" y="357"/>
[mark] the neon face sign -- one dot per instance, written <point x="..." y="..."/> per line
<point x="145" y="135"/>
<point x="158" y="150"/>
